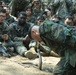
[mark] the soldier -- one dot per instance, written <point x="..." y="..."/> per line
<point x="63" y="8"/>
<point x="4" y="37"/>
<point x="61" y="39"/>
<point x="40" y="20"/>
<point x="9" y="18"/>
<point x="18" y="31"/>
<point x="48" y="13"/>
<point x="69" y="20"/>
<point x="30" y="18"/>
<point x="37" y="11"/>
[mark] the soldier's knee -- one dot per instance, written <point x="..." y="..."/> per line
<point x="21" y="49"/>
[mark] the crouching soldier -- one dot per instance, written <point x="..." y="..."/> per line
<point x="61" y="39"/>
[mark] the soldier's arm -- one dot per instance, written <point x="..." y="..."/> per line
<point x="4" y="33"/>
<point x="11" y="32"/>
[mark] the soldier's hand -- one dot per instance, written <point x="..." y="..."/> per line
<point x="15" y="38"/>
<point x="5" y="37"/>
<point x="26" y="38"/>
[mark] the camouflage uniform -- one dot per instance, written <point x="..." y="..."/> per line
<point x="72" y="8"/>
<point x="10" y="20"/>
<point x="62" y="8"/>
<point x="31" y="19"/>
<point x="4" y="30"/>
<point x="17" y="33"/>
<point x="5" y="43"/>
<point x="61" y="39"/>
<point x="37" y="13"/>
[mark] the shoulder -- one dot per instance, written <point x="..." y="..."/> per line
<point x="47" y="26"/>
<point x="5" y="24"/>
<point x="12" y="25"/>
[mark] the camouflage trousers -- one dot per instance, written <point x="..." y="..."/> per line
<point x="63" y="68"/>
<point x="20" y="48"/>
<point x="8" y="43"/>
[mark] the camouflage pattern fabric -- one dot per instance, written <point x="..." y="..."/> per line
<point x="63" y="68"/>
<point x="61" y="39"/>
<point x="4" y="43"/>
<point x="17" y="30"/>
<point x="72" y="8"/>
<point x="32" y="19"/>
<point x="62" y="8"/>
<point x="17" y="33"/>
<point x="3" y="30"/>
<point x="37" y="13"/>
<point x="10" y="20"/>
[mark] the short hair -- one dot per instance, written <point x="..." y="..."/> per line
<point x="50" y="9"/>
<point x="69" y="17"/>
<point x="56" y="16"/>
<point x="41" y="18"/>
<point x="74" y="15"/>
<point x="28" y="7"/>
<point x="22" y="13"/>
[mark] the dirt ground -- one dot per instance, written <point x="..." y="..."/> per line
<point x="18" y="65"/>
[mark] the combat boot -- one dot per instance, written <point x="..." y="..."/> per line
<point x="31" y="54"/>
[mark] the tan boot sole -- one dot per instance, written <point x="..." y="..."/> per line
<point x="30" y="55"/>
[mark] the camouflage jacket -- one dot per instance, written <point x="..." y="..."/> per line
<point x="60" y="38"/>
<point x="10" y="20"/>
<point x="61" y="7"/>
<point x="31" y="19"/>
<point x="3" y="30"/>
<point x="37" y="13"/>
<point x="18" y="31"/>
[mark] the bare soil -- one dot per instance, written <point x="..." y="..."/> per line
<point x="18" y="65"/>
